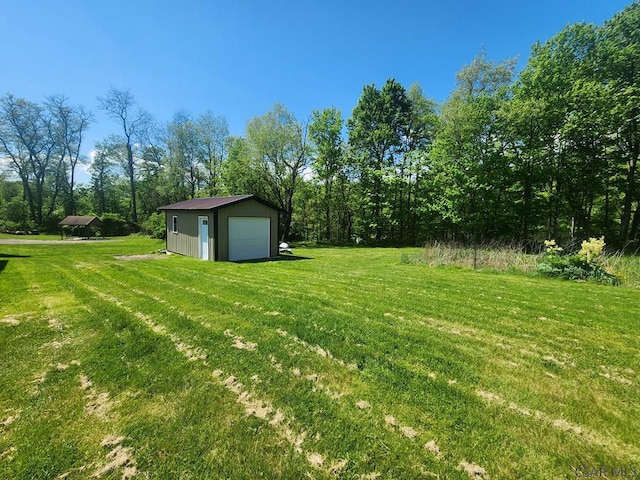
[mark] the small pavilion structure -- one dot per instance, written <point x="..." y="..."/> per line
<point x="82" y="226"/>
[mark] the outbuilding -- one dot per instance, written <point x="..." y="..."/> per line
<point x="237" y="227"/>
<point x="83" y="226"/>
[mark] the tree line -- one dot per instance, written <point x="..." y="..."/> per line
<point x="550" y="153"/>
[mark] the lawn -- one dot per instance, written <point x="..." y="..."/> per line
<point x="346" y="364"/>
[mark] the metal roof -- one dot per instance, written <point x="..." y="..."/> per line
<point x="80" y="221"/>
<point x="213" y="203"/>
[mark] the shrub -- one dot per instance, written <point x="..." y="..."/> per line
<point x="155" y="226"/>
<point x="584" y="265"/>
<point x="114" y="225"/>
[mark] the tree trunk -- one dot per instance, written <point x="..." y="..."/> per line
<point x="132" y="185"/>
<point x="629" y="196"/>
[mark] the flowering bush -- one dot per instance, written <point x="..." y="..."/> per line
<point x="552" y="248"/>
<point x="583" y="265"/>
<point x="592" y="249"/>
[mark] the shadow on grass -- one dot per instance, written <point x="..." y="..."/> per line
<point x="279" y="258"/>
<point x="3" y="263"/>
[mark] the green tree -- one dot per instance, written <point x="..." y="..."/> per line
<point x="619" y="53"/>
<point x="376" y="130"/>
<point x="184" y="164"/>
<point x="122" y="108"/>
<point x="107" y="156"/>
<point x="213" y="134"/>
<point x="71" y="123"/>
<point x="277" y="147"/>
<point x="28" y="140"/>
<point x="466" y="161"/>
<point x="325" y="132"/>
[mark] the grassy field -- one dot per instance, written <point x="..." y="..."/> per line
<point x="350" y="364"/>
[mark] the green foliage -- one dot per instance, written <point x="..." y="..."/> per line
<point x="114" y="225"/>
<point x="584" y="265"/>
<point x="155" y="226"/>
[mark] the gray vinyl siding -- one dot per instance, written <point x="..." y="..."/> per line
<point x="248" y="208"/>
<point x="186" y="241"/>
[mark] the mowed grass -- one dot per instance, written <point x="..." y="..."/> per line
<point x="347" y="364"/>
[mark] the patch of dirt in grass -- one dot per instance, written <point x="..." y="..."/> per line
<point x="552" y="359"/>
<point x="238" y="341"/>
<point x="527" y="353"/>
<point x="492" y="397"/>
<point x="433" y="448"/>
<point x="261" y="408"/>
<point x="390" y="420"/>
<point x="616" y="375"/>
<point x="409" y="432"/>
<point x="38" y="380"/>
<point x="55" y="324"/>
<point x="192" y="353"/>
<point x="275" y="364"/>
<point x="316" y="349"/>
<point x="338" y="466"/>
<point x="85" y="383"/>
<point x="561" y="424"/>
<point x="277" y="419"/>
<point x="5" y="422"/>
<point x="274" y="313"/>
<point x="119" y="458"/>
<point x="98" y="405"/>
<point x="10" y="320"/>
<point x="58" y="344"/>
<point x="111" y="440"/>
<point x="363" y="404"/>
<point x="254" y="407"/>
<point x="8" y="453"/>
<point x="567" y="427"/>
<point x="315" y="459"/>
<point x="473" y="470"/>
<point x="370" y="476"/>
<point x="149" y="256"/>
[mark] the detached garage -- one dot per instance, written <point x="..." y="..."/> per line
<point x="238" y="227"/>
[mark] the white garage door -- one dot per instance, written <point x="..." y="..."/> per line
<point x="249" y="237"/>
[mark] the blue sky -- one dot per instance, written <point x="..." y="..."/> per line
<point x="238" y="58"/>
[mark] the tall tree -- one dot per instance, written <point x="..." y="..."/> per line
<point x="466" y="159"/>
<point x="28" y="140"/>
<point x="71" y="124"/>
<point x="325" y="131"/>
<point x="107" y="155"/>
<point x="619" y="52"/>
<point x="213" y="133"/>
<point x="376" y="130"/>
<point x="121" y="107"/>
<point x="278" y="146"/>
<point x="184" y="164"/>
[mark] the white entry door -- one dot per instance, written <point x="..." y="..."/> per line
<point x="203" y="222"/>
<point x="249" y="238"/>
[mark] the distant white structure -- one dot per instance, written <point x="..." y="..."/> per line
<point x="284" y="247"/>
